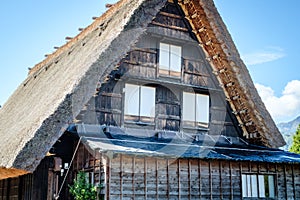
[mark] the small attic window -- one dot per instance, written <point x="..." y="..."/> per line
<point x="170" y="59"/>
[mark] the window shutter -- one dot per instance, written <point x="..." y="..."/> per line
<point x="132" y="99"/>
<point x="202" y="107"/>
<point x="147" y="101"/>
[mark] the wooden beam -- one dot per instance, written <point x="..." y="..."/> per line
<point x="168" y="182"/>
<point x="121" y="176"/>
<point x="156" y="174"/>
<point x="133" y="176"/>
<point x="199" y="174"/>
<point x="179" y="188"/>
<point x="294" y="185"/>
<point x="220" y="173"/>
<point x="210" y="180"/>
<point x="285" y="181"/>
<point x="171" y="27"/>
<point x="170" y="15"/>
<point x="145" y="177"/>
<point x="189" y="179"/>
<point x="230" y="172"/>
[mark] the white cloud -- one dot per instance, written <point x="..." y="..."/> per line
<point x="283" y="108"/>
<point x="268" y="55"/>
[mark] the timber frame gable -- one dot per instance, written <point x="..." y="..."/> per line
<point x="232" y="74"/>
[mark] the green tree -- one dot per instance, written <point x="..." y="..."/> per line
<point x="82" y="189"/>
<point x="295" y="148"/>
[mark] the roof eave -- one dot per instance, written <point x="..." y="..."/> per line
<point x="210" y="30"/>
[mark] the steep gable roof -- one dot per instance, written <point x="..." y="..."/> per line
<point x="44" y="105"/>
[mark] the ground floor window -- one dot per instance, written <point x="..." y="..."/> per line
<point x="258" y="185"/>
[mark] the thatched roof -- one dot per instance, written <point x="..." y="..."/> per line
<point x="44" y="105"/>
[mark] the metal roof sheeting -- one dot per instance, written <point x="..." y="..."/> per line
<point x="180" y="148"/>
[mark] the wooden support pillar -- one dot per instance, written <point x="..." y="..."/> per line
<point x="145" y="177"/>
<point x="121" y="176"/>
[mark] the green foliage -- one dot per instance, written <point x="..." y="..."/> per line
<point x="295" y="148"/>
<point x="82" y="189"/>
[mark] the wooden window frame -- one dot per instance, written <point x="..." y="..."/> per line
<point x="169" y="72"/>
<point x="138" y="118"/>
<point x="195" y="123"/>
<point x="248" y="192"/>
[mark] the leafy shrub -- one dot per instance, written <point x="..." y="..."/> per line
<point x="82" y="189"/>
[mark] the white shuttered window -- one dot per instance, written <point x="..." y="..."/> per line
<point x="195" y="107"/>
<point x="139" y="100"/>
<point x="169" y="57"/>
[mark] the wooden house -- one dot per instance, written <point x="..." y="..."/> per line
<point x="152" y="101"/>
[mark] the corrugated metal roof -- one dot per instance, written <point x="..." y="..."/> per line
<point x="184" y="147"/>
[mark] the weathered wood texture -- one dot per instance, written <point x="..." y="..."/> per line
<point x="153" y="178"/>
<point x="27" y="187"/>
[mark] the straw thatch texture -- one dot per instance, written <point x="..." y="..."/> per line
<point x="41" y="108"/>
<point x="257" y="124"/>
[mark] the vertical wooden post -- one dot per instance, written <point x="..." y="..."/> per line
<point x="210" y="179"/>
<point x="179" y="188"/>
<point x="294" y="185"/>
<point x="257" y="181"/>
<point x="230" y="173"/>
<point x="189" y="179"/>
<point x="133" y="181"/>
<point x="220" y="172"/>
<point x="277" y="188"/>
<point x="156" y="169"/>
<point x="108" y="177"/>
<point x="50" y="192"/>
<point x="241" y="179"/>
<point x="285" y="182"/>
<point x="168" y="182"/>
<point x="145" y="176"/>
<point x="121" y="176"/>
<point x="199" y="174"/>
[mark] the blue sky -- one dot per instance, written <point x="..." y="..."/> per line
<point x="265" y="33"/>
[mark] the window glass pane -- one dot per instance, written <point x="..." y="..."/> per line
<point x="271" y="185"/>
<point x="249" y="186"/>
<point x="202" y="114"/>
<point x="147" y="101"/>
<point x="254" y="186"/>
<point x="261" y="183"/>
<point x="188" y="106"/>
<point x="132" y="99"/>
<point x="164" y="59"/>
<point x="244" y="185"/>
<point x="175" y="58"/>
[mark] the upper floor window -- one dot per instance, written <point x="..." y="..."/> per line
<point x="258" y="185"/>
<point x="195" y="109"/>
<point x="170" y="59"/>
<point x="139" y="102"/>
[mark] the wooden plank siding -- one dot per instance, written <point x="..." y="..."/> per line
<point x="27" y="187"/>
<point x="132" y="177"/>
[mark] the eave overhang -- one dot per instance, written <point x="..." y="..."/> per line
<point x="232" y="74"/>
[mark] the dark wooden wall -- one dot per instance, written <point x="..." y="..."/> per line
<point x="27" y="187"/>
